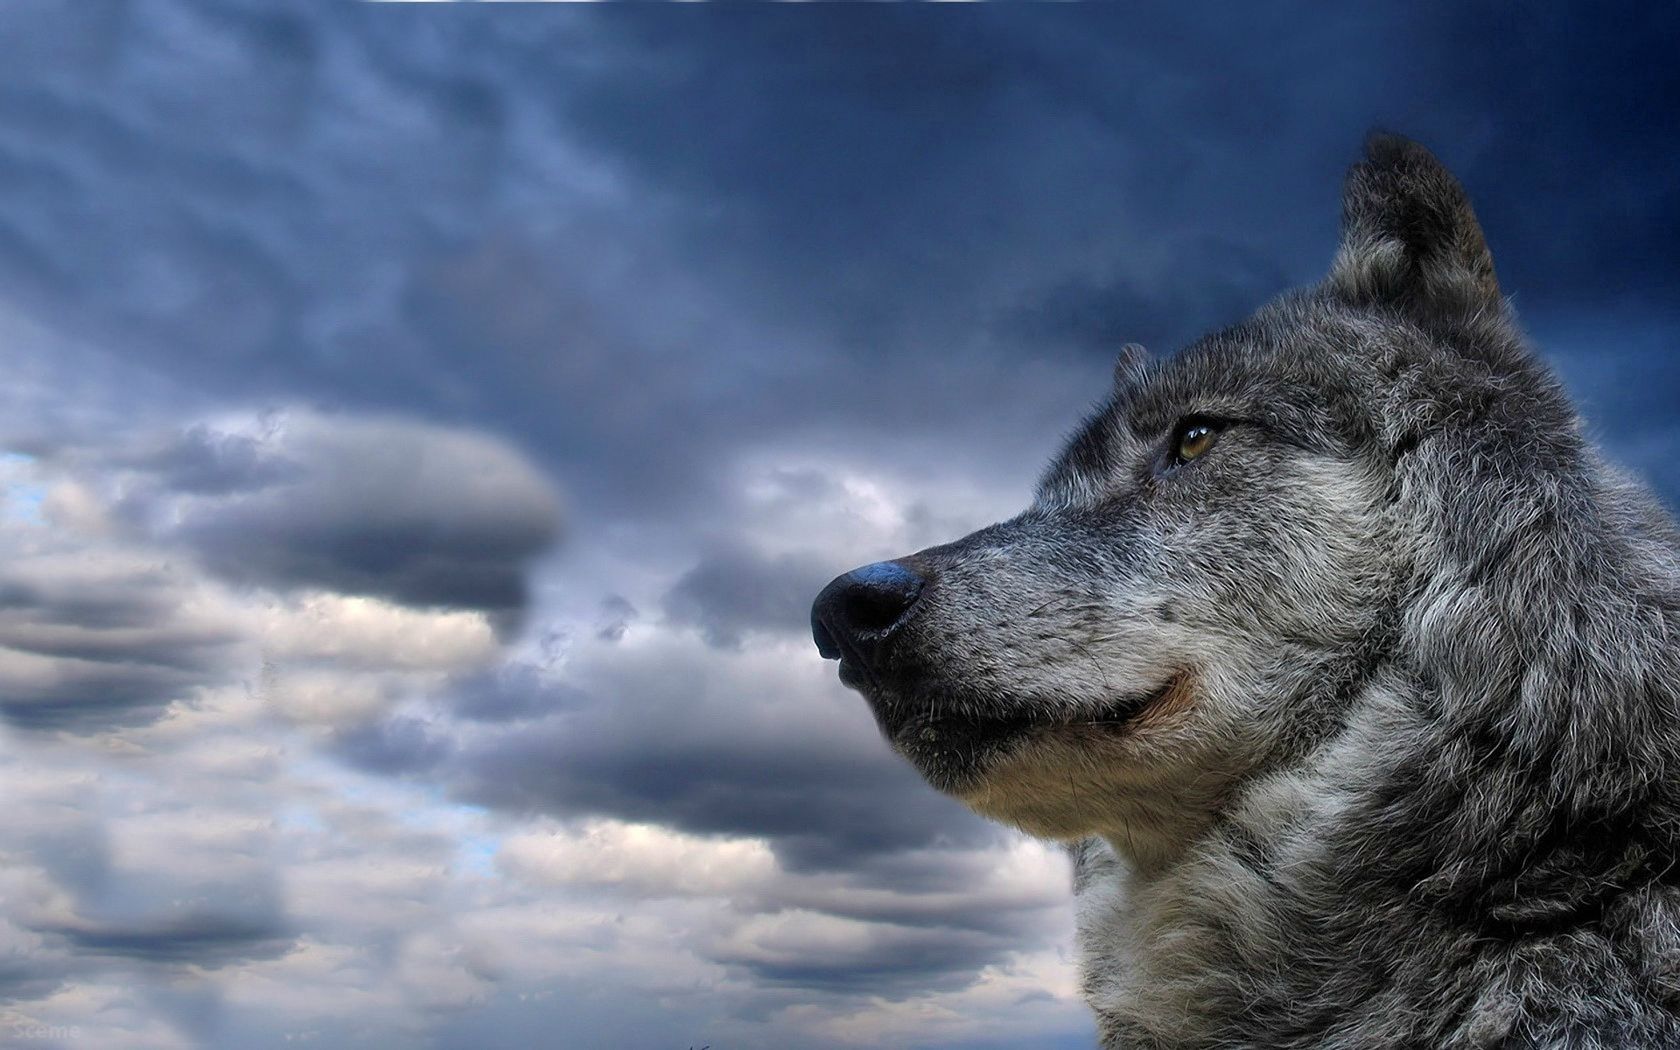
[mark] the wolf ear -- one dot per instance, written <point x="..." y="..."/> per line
<point x="1131" y="366"/>
<point x="1409" y="237"/>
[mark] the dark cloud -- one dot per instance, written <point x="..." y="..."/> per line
<point x="204" y="461"/>
<point x="90" y="640"/>
<point x="735" y="591"/>
<point x="1207" y="283"/>
<point x="891" y="129"/>
<point x="883" y="964"/>
<point x="512" y="692"/>
<point x="205" y="940"/>
<point x="666" y="734"/>
<point x="662" y="744"/>
<point x="820" y="807"/>
<point x="22" y="979"/>
<point x="394" y="746"/>
<point x="92" y="699"/>
<point x="412" y="562"/>
<point x="614" y="617"/>
<point x="879" y="206"/>
<point x="136" y="600"/>
<point x="418" y="514"/>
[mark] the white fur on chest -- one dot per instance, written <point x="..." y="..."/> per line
<point x="1166" y="952"/>
<point x="1163" y="952"/>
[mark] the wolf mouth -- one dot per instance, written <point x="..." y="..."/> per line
<point x="952" y="744"/>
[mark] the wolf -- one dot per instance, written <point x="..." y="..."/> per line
<point x="1346" y="666"/>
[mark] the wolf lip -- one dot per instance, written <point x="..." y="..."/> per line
<point x="853" y="676"/>
<point x="946" y="732"/>
<point x="945" y="727"/>
<point x="953" y="749"/>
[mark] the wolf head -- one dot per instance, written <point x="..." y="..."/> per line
<point x="1231" y="544"/>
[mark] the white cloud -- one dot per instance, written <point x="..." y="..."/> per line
<point x="642" y="859"/>
<point x="94" y="1015"/>
<point x="350" y="632"/>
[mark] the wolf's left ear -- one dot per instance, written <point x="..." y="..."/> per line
<point x="1409" y="237"/>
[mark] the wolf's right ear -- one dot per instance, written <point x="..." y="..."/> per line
<point x="1409" y="238"/>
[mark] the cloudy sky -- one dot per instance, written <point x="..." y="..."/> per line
<point x="422" y="430"/>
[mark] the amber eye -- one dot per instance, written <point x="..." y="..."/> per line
<point x="1193" y="438"/>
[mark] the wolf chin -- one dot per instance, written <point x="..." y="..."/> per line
<point x="1344" y="664"/>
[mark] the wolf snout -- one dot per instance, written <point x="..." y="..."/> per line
<point x="856" y="613"/>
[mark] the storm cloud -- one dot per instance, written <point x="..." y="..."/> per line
<point x="418" y="514"/>
<point x="732" y="592"/>
<point x="93" y="638"/>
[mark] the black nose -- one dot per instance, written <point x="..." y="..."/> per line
<point x="856" y="612"/>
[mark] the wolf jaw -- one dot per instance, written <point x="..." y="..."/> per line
<point x="1417" y="778"/>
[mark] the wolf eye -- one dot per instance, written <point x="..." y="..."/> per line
<point x="1193" y="438"/>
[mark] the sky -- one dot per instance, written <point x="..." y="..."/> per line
<point x="423" y="429"/>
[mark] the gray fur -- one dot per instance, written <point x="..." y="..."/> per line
<point x="1365" y="724"/>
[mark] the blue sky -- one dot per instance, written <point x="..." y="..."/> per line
<point x="423" y="429"/>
